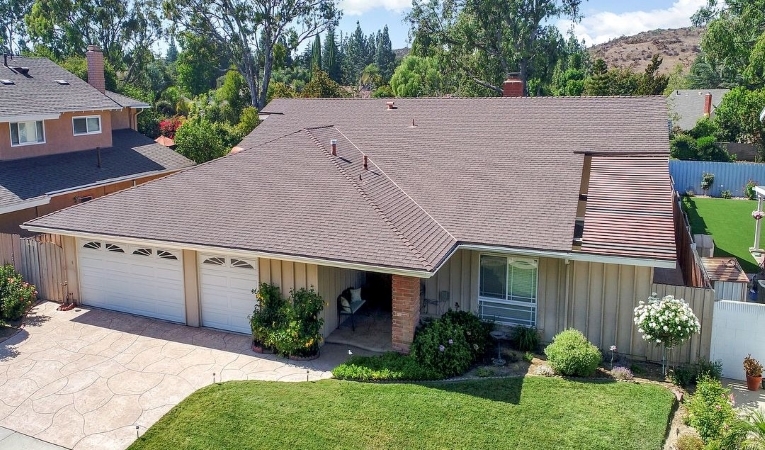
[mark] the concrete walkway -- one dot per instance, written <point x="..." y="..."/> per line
<point x="743" y="397"/>
<point x="11" y="440"/>
<point x="84" y="379"/>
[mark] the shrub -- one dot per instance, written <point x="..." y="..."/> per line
<point x="476" y="331"/>
<point x="689" y="374"/>
<point x="168" y="127"/>
<point x="707" y="180"/>
<point x="16" y="295"/>
<point x="301" y="335"/>
<point x="526" y="339"/>
<point x="709" y="409"/>
<point x="199" y="140"/>
<point x="570" y="353"/>
<point x="749" y="190"/>
<point x="689" y="442"/>
<point x="621" y="373"/>
<point x="683" y="147"/>
<point x="484" y="372"/>
<point x="528" y="357"/>
<point x="726" y="194"/>
<point x="441" y="347"/>
<point x="389" y="366"/>
<point x="268" y="314"/>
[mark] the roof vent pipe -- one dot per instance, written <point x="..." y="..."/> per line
<point x="333" y="142"/>
<point x="366" y="165"/>
<point x="391" y="105"/>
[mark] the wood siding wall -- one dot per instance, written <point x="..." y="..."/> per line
<point x="601" y="301"/>
<point x="333" y="281"/>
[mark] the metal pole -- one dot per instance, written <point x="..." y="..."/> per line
<point x="758" y="224"/>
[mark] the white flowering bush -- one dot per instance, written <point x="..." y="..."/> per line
<point x="666" y="321"/>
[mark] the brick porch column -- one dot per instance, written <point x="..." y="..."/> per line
<point x="406" y="310"/>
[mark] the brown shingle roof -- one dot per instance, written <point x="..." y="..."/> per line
<point x="497" y="172"/>
<point x="724" y="269"/>
<point x="629" y="208"/>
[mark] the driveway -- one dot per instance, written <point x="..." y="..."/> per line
<point x="85" y="378"/>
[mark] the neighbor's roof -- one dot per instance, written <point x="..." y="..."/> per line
<point x="132" y="155"/>
<point x="125" y="101"/>
<point x="500" y="172"/>
<point x="688" y="105"/>
<point x="38" y="92"/>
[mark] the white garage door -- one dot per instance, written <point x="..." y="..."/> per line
<point x="134" y="279"/>
<point x="225" y="285"/>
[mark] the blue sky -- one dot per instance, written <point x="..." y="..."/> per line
<point x="603" y="19"/>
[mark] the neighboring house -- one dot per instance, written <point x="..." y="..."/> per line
<point x="688" y="106"/>
<point x="64" y="141"/>
<point x="544" y="212"/>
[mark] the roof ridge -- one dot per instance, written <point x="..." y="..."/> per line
<point x="401" y="189"/>
<point x="372" y="203"/>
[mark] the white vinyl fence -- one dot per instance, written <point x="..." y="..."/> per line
<point x="736" y="332"/>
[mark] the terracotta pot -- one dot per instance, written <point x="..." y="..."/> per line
<point x="257" y="347"/>
<point x="753" y="383"/>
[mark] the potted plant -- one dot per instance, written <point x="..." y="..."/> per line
<point x="753" y="370"/>
<point x="266" y="317"/>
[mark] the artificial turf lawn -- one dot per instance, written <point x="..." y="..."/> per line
<point x="730" y="223"/>
<point x="527" y="413"/>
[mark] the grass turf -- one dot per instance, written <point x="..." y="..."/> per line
<point x="729" y="222"/>
<point x="530" y="413"/>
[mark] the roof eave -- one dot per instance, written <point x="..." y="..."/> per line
<point x="246" y="253"/>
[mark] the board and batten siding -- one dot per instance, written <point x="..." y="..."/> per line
<point x="601" y="299"/>
<point x="333" y="281"/>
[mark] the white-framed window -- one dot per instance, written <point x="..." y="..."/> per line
<point x="507" y="290"/>
<point x="86" y="125"/>
<point x="27" y="133"/>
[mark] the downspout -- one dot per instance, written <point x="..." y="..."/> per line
<point x="135" y="119"/>
<point x="568" y="283"/>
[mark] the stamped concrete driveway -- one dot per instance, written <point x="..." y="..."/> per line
<point x="85" y="378"/>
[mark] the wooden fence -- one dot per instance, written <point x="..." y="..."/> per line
<point x="702" y="302"/>
<point x="40" y="260"/>
<point x="687" y="258"/>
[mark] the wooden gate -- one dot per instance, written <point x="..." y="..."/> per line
<point x="40" y="260"/>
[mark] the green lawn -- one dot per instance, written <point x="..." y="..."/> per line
<point x="729" y="222"/>
<point x="528" y="413"/>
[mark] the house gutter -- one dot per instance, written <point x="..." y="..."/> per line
<point x="573" y="256"/>
<point x="230" y="251"/>
<point x="39" y="201"/>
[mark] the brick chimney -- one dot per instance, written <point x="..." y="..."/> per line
<point x="707" y="105"/>
<point x="513" y="86"/>
<point x="96" y="68"/>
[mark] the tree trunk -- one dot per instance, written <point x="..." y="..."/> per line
<point x="524" y="73"/>
<point x="267" y="67"/>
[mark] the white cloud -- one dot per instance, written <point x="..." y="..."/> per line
<point x="604" y="26"/>
<point x="359" y="7"/>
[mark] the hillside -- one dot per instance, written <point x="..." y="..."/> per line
<point x="677" y="46"/>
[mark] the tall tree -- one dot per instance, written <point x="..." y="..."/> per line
<point x="357" y="56"/>
<point x="198" y="65"/>
<point x="249" y="30"/>
<point x="125" y="30"/>
<point x="385" y="58"/>
<point x="735" y="30"/>
<point x="504" y="33"/>
<point x="316" y="54"/>
<point x="171" y="55"/>
<point x="13" y="32"/>
<point x="331" y="57"/>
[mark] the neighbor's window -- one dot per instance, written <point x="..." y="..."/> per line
<point x="508" y="290"/>
<point x="26" y="133"/>
<point x="86" y="125"/>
